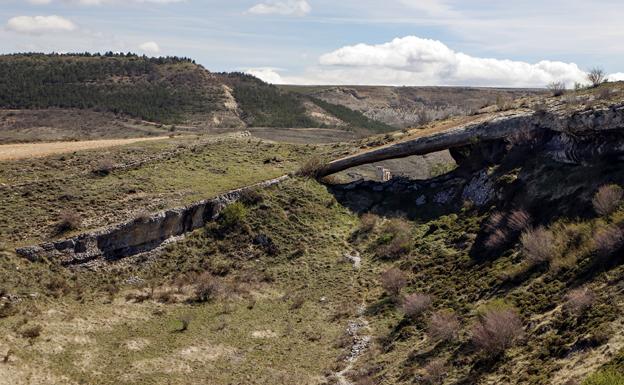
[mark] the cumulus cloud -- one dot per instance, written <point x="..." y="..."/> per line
<point x="279" y="7"/>
<point x="150" y="47"/>
<point x="36" y="25"/>
<point x="269" y="75"/>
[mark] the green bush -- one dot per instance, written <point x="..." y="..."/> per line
<point x="233" y="214"/>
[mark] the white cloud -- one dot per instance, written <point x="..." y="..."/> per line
<point x="103" y="2"/>
<point x="414" y="61"/>
<point x="616" y="77"/>
<point x="37" y="25"/>
<point x="286" y="8"/>
<point x="269" y="75"/>
<point x="150" y="47"/>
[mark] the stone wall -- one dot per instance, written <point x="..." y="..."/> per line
<point x="139" y="235"/>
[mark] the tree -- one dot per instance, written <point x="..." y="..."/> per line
<point x="596" y="76"/>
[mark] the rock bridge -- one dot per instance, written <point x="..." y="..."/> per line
<point x="514" y="125"/>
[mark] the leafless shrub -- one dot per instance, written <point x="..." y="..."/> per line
<point x="416" y="304"/>
<point x="497" y="330"/>
<point x="540" y="108"/>
<point x="312" y="168"/>
<point x="395" y="239"/>
<point x="57" y="286"/>
<point x="185" y="321"/>
<point x="31" y="332"/>
<point x="434" y="372"/>
<point x="608" y="240"/>
<point x="497" y="239"/>
<point x="538" y="245"/>
<point x="608" y="199"/>
<point x="596" y="76"/>
<point x="251" y="197"/>
<point x="557" y="88"/>
<point x="68" y="221"/>
<point x="519" y="220"/>
<point x="494" y="221"/>
<point x="579" y="300"/>
<point x="104" y="167"/>
<point x="368" y="222"/>
<point x="206" y="287"/>
<point x="443" y="326"/>
<point x="393" y="281"/>
<point x="297" y="303"/>
<point x="165" y="296"/>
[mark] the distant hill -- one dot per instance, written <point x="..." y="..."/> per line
<point x="169" y="90"/>
<point x="412" y="106"/>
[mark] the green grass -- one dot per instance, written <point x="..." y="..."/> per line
<point x="606" y="377"/>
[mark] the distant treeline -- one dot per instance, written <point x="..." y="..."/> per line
<point x="120" y="83"/>
<point x="355" y="119"/>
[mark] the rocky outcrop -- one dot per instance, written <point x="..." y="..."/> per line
<point x="139" y="235"/>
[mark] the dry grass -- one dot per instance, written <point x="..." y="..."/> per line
<point x="608" y="240"/>
<point x="608" y="199"/>
<point x="519" y="220"/>
<point x="414" y="305"/>
<point x="497" y="330"/>
<point x="312" y="167"/>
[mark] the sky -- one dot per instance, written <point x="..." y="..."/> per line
<point x="512" y="43"/>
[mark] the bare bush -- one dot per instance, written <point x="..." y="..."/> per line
<point x="206" y="288"/>
<point x="104" y="167"/>
<point x="579" y="300"/>
<point x="416" y="304"/>
<point x="608" y="240"/>
<point x="538" y="245"/>
<point x="608" y="199"/>
<point x="496" y="239"/>
<point x="393" y="281"/>
<point x="395" y="239"/>
<point x="185" y="321"/>
<point x="434" y="372"/>
<point x="497" y="330"/>
<point x="494" y="221"/>
<point x="32" y="332"/>
<point x="68" y="221"/>
<point x="368" y="222"/>
<point x="312" y="168"/>
<point x="443" y="325"/>
<point x="596" y="76"/>
<point x="557" y="88"/>
<point x="519" y="220"/>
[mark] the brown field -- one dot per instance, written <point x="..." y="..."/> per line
<point x="38" y="150"/>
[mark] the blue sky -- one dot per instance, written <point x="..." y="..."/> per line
<point x="411" y="42"/>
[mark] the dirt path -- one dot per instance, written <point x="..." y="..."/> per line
<point x="38" y="150"/>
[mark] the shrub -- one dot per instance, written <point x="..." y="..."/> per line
<point x="557" y="88"/>
<point x="496" y="239"/>
<point x="68" y="221"/>
<point x="596" y="76"/>
<point x="538" y="245"/>
<point x="497" y="330"/>
<point x="234" y="214"/>
<point x="443" y="325"/>
<point x="185" y="321"/>
<point x="312" y="168"/>
<point x="494" y="221"/>
<point x="251" y="197"/>
<point x="605" y="377"/>
<point x="434" y="372"/>
<point x="519" y="220"/>
<point x="607" y="199"/>
<point x="104" y="167"/>
<point x="206" y="288"/>
<point x="32" y="332"/>
<point x="393" y="281"/>
<point x="416" y="304"/>
<point x="579" y="300"/>
<point x="395" y="239"/>
<point x="368" y="222"/>
<point x="608" y="240"/>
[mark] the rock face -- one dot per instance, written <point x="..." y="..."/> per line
<point x="139" y="235"/>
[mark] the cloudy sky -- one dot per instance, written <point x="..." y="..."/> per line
<point x="395" y="42"/>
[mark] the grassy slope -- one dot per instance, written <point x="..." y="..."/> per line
<point x="170" y="173"/>
<point x="252" y="334"/>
